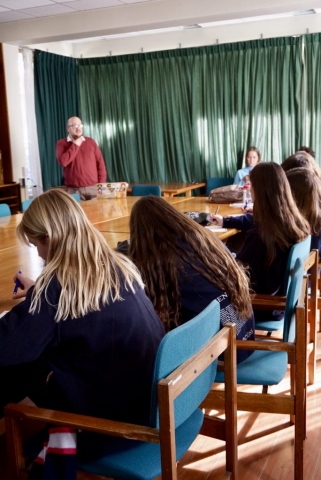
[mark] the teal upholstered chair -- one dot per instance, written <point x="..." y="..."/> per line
<point x="184" y="372"/>
<point x="310" y="259"/>
<point x="143" y="190"/>
<point x="269" y="367"/>
<point x="299" y="250"/>
<point x="25" y="204"/>
<point x="76" y="196"/>
<point x="268" y="363"/>
<point x="215" y="182"/>
<point x="4" y="210"/>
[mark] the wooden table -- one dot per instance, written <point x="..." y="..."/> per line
<point x="19" y="257"/>
<point x="107" y="209"/>
<point x="8" y="225"/>
<point x="110" y="216"/>
<point x="121" y="225"/>
<point x="174" y="188"/>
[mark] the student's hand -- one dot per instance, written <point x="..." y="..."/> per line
<point x="248" y="209"/>
<point x="216" y="219"/>
<point x="24" y="284"/>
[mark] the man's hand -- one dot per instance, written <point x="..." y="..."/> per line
<point x="78" y="141"/>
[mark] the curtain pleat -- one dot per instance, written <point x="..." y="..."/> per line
<point x="311" y="116"/>
<point x="56" y="100"/>
<point x="186" y="115"/>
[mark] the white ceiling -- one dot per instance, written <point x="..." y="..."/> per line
<point x="15" y="10"/>
<point x="84" y="28"/>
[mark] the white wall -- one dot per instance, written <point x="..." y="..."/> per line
<point x="18" y="156"/>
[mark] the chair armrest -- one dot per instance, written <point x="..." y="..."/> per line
<point x="82" y="422"/>
<point x="273" y="302"/>
<point x="311" y="260"/>
<point x="267" y="345"/>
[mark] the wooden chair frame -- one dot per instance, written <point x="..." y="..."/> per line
<point x="278" y="302"/>
<point x="293" y="404"/>
<point x="318" y="328"/>
<point x="16" y="415"/>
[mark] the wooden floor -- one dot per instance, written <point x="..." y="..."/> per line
<point x="264" y="457"/>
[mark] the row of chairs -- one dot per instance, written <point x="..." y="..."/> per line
<point x="6" y="212"/>
<point x="183" y="379"/>
<point x="211" y="183"/>
<point x="137" y="191"/>
<point x="268" y="365"/>
<point x="5" y="209"/>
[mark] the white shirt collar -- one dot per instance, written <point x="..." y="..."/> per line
<point x="69" y="139"/>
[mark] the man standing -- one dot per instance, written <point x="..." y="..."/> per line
<point x="82" y="161"/>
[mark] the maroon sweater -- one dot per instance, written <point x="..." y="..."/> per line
<point x="83" y="166"/>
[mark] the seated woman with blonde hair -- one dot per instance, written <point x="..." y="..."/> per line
<point x="86" y="319"/>
<point x="185" y="267"/>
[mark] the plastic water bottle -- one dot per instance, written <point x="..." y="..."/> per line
<point x="247" y="197"/>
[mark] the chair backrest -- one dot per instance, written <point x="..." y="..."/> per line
<point x="177" y="346"/>
<point x="299" y="250"/>
<point x="4" y="210"/>
<point x="215" y="182"/>
<point x="76" y="196"/>
<point x="143" y="190"/>
<point x="294" y="291"/>
<point x="25" y="204"/>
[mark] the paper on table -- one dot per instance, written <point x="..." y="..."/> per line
<point x="3" y="313"/>
<point x="215" y="228"/>
<point x="237" y="205"/>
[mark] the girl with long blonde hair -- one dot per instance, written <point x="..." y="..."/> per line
<point x="86" y="318"/>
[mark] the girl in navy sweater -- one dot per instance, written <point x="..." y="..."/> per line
<point x="86" y="321"/>
<point x="185" y="267"/>
<point x="274" y="227"/>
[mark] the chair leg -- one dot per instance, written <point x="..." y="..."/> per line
<point x="312" y="318"/>
<point x="300" y="373"/>
<point x="231" y="409"/>
<point x="15" y="453"/>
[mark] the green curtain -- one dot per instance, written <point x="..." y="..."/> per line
<point x="311" y="115"/>
<point x="188" y="114"/>
<point x="142" y="122"/>
<point x="56" y="99"/>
